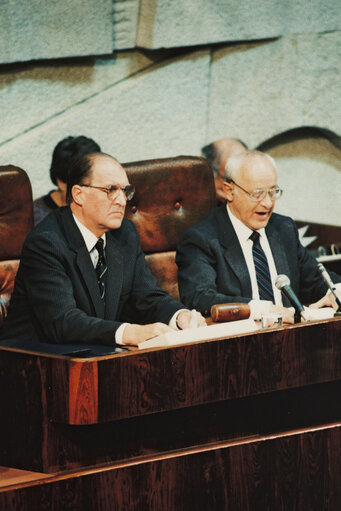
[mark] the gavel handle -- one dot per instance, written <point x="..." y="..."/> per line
<point x="230" y="311"/>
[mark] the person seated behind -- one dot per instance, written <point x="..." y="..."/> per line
<point x="64" y="154"/>
<point x="215" y="257"/>
<point x="217" y="153"/>
<point x="58" y="295"/>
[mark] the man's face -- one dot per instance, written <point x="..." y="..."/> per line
<point x="99" y="213"/>
<point x="257" y="173"/>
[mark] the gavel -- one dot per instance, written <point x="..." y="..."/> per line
<point x="229" y="312"/>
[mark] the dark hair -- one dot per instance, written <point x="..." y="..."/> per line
<point x="209" y="152"/>
<point x="78" y="171"/>
<point x="66" y="152"/>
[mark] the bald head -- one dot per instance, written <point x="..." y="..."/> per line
<point x="225" y="148"/>
<point x="253" y="163"/>
<point x="218" y="152"/>
<point x="246" y="174"/>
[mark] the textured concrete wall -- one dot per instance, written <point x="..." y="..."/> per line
<point x="32" y="95"/>
<point x="125" y="23"/>
<point x="309" y="171"/>
<point x="155" y="113"/>
<point x="142" y="104"/>
<point x="164" y="23"/>
<point x="36" y="29"/>
<point x="260" y="89"/>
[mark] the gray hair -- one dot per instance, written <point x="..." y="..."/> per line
<point x="235" y="162"/>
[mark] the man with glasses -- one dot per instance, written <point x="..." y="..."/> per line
<point x="236" y="253"/>
<point x="82" y="275"/>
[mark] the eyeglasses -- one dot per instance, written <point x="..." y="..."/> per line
<point x="258" y="195"/>
<point x="112" y="191"/>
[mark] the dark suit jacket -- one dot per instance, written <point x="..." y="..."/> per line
<point x="56" y="296"/>
<point x="212" y="268"/>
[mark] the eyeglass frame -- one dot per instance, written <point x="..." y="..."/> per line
<point x="270" y="191"/>
<point x="114" y="188"/>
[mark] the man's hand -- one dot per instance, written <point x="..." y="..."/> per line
<point x="189" y="319"/>
<point x="327" y="300"/>
<point x="134" y="334"/>
<point x="287" y="313"/>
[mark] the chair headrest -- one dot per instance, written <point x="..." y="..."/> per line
<point x="171" y="195"/>
<point x="16" y="210"/>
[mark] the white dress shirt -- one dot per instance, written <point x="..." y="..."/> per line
<point x="257" y="306"/>
<point x="90" y="241"/>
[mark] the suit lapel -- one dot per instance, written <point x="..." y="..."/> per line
<point x="114" y="278"/>
<point x="279" y="255"/>
<point x="233" y="253"/>
<point x="82" y="260"/>
<point x="278" y="250"/>
<point x="90" y="279"/>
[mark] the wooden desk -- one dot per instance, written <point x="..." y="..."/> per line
<point x="289" y="471"/>
<point x="231" y="424"/>
<point x="64" y="413"/>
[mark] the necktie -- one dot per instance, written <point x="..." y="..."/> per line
<point x="101" y="267"/>
<point x="262" y="269"/>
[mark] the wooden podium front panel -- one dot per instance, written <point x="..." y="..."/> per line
<point x="150" y="381"/>
<point x="65" y="413"/>
<point x="157" y="380"/>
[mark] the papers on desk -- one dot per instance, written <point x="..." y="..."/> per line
<point x="318" y="314"/>
<point x="203" y="333"/>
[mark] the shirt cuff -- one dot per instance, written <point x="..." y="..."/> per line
<point x="119" y="334"/>
<point x="258" y="308"/>
<point x="120" y="331"/>
<point x="173" y="323"/>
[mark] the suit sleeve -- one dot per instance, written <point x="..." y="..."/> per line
<point x="49" y="289"/>
<point x="311" y="285"/>
<point x="147" y="303"/>
<point x="198" y="257"/>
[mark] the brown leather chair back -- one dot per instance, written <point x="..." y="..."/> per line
<point x="171" y="195"/>
<point x="16" y="221"/>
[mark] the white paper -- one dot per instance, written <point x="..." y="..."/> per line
<point x="203" y="333"/>
<point x="318" y="314"/>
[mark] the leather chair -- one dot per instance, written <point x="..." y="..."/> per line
<point x="16" y="221"/>
<point x="171" y="195"/>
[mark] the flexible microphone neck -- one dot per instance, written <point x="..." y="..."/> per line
<point x="326" y="277"/>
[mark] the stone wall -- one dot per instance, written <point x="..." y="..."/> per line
<point x="149" y="79"/>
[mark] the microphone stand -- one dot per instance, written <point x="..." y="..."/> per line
<point x="297" y="316"/>
<point x="325" y="275"/>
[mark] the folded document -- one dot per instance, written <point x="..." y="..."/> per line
<point x="318" y="314"/>
<point x="203" y="333"/>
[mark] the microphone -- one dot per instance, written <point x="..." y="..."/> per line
<point x="330" y="283"/>
<point x="283" y="284"/>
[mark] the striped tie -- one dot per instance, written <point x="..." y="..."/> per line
<point x="262" y="269"/>
<point x="101" y="267"/>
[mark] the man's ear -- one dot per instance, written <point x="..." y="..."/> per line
<point x="78" y="194"/>
<point x="228" y="191"/>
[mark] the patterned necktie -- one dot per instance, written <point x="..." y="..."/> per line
<point x="262" y="269"/>
<point x="101" y="267"/>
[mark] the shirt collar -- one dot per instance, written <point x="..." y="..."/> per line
<point x="90" y="239"/>
<point x="243" y="230"/>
